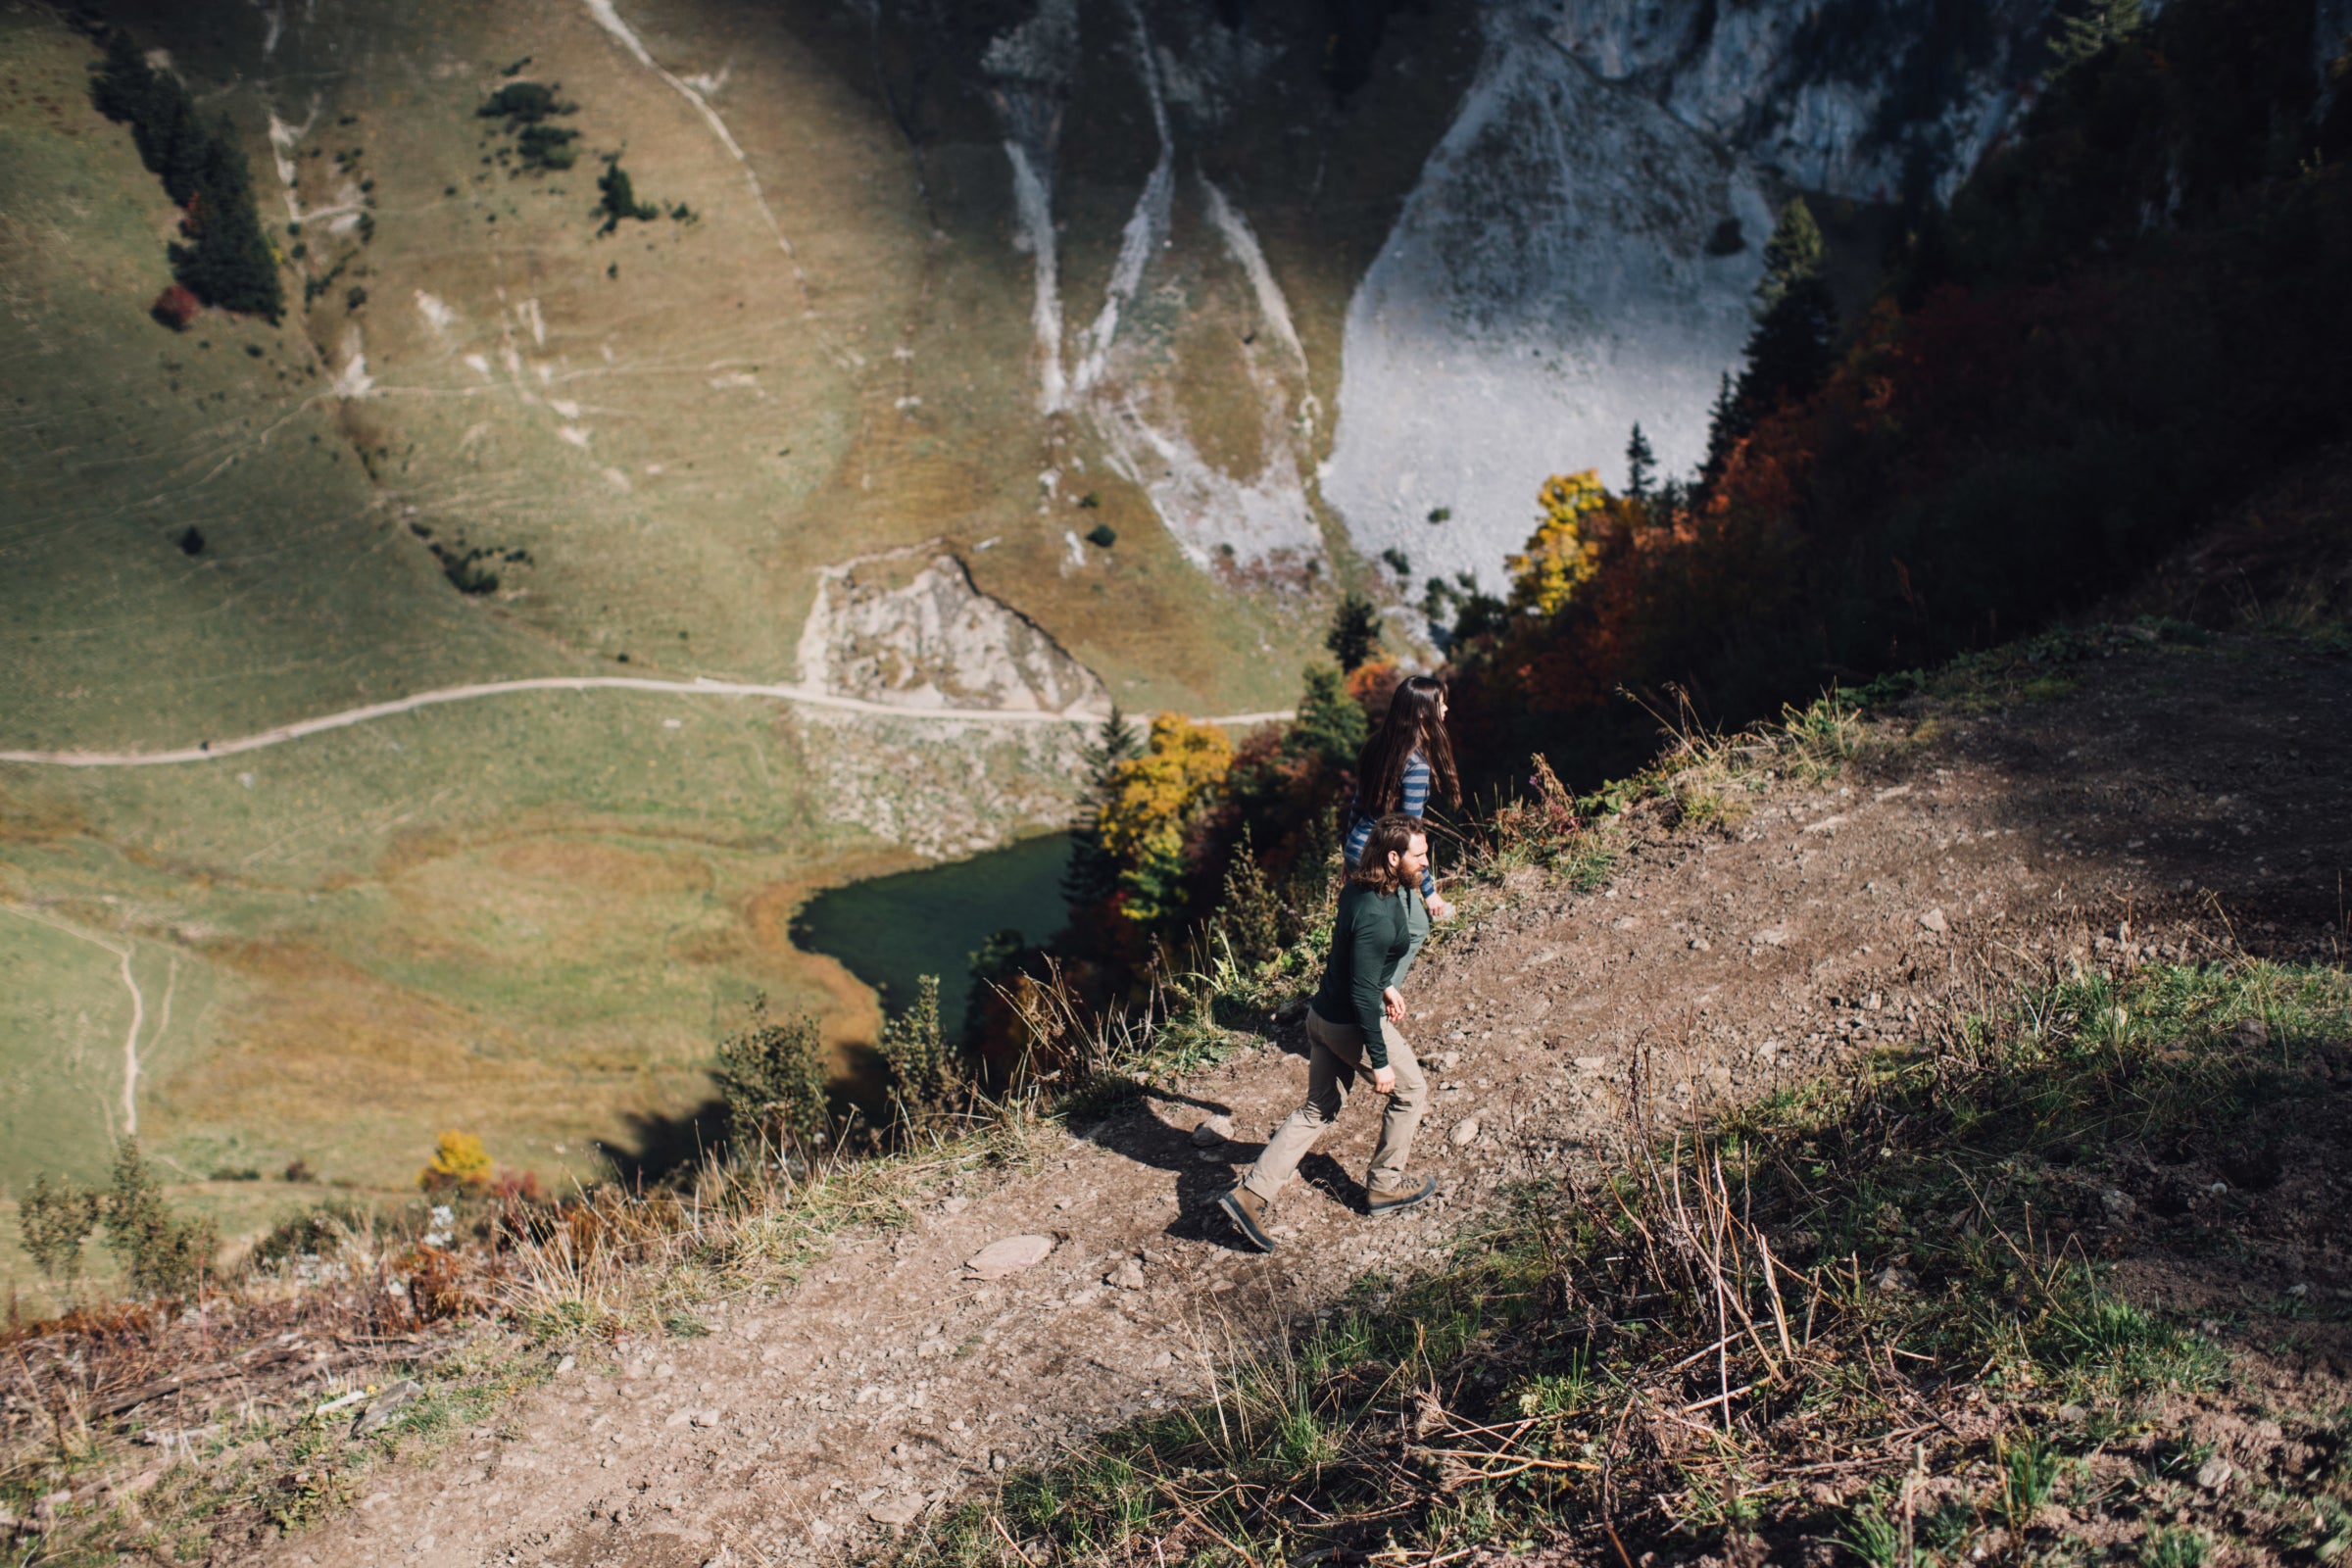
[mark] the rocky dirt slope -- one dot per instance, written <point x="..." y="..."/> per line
<point x="2127" y="802"/>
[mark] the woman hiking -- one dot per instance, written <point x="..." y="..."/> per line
<point x="1398" y="766"/>
<point x="1351" y="1028"/>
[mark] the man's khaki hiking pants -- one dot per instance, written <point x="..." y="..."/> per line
<point x="1336" y="1057"/>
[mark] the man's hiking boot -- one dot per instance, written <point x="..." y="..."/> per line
<point x="1248" y="1211"/>
<point x="1380" y="1200"/>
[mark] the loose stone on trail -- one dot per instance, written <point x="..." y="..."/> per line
<point x="1463" y="1132"/>
<point x="1934" y="921"/>
<point x="896" y="1511"/>
<point x="1010" y="1257"/>
<point x="381" y="1410"/>
<point x="1212" y="1132"/>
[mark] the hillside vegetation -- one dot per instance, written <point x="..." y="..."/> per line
<point x="484" y="441"/>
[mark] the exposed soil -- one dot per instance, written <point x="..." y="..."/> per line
<point x="2175" y="802"/>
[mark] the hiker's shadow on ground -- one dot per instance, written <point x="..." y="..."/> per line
<point x="1156" y="1129"/>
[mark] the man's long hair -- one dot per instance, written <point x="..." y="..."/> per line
<point x="1393" y="834"/>
<point x="1411" y="725"/>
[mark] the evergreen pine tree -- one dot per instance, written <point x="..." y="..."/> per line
<point x="228" y="262"/>
<point x="1355" y="633"/>
<point x="1640" y="464"/>
<point x="1331" y="724"/>
<point x="1093" y="872"/>
<point x="1792" y="253"/>
<point x="1722" y="432"/>
<point x="231" y="263"/>
<point x="1788" y="354"/>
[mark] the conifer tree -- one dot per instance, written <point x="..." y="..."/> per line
<point x="1792" y="254"/>
<point x="1094" y="871"/>
<point x="1721" y="415"/>
<point x="228" y="262"/>
<point x="1788" y="354"/>
<point x="1354" y="634"/>
<point x="1640" y="464"/>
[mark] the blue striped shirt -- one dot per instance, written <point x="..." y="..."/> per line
<point x="1417" y="777"/>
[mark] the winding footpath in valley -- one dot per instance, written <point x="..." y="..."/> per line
<point x="207" y="751"/>
<point x="2108" y="828"/>
<point x="123" y="952"/>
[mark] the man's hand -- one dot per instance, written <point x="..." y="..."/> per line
<point x="1384" y="1080"/>
<point x="1394" y="1001"/>
<point x="1439" y="909"/>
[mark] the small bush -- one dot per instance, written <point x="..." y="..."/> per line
<point x="55" y="1222"/>
<point x="459" y="1163"/>
<point x="165" y="1255"/>
<point x="313" y="1233"/>
<point x="524" y="103"/>
<point x="1102" y="535"/>
<point x="926" y="1073"/>
<point x="175" y="307"/>
<point x="620" y="198"/>
<point x="1248" y="913"/>
<point x="772" y="1079"/>
<point x="547" y="147"/>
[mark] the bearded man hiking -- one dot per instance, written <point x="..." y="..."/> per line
<point x="1352" y="1030"/>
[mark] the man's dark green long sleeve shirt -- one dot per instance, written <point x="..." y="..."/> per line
<point x="1373" y="940"/>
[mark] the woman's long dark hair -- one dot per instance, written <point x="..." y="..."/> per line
<point x="1411" y="725"/>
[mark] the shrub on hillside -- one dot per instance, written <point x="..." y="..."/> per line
<point x="524" y="103"/>
<point x="772" y="1078"/>
<point x="165" y="1254"/>
<point x="547" y="147"/>
<point x="460" y="1164"/>
<point x="620" y="198"/>
<point x="175" y="307"/>
<point x="927" y="1077"/>
<point x="55" y="1220"/>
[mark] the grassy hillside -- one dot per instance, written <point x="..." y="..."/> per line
<point x="529" y="918"/>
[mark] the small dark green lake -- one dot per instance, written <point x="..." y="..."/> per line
<point x="892" y="930"/>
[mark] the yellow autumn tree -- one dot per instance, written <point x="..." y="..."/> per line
<point x="1563" y="554"/>
<point x="459" y="1162"/>
<point x="1153" y="799"/>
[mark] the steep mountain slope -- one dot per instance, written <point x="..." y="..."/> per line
<point x="2097" y="819"/>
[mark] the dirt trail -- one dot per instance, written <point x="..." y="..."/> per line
<point x="2113" y="825"/>
<point x="209" y="750"/>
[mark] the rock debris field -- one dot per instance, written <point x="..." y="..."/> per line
<point x="2174" y="802"/>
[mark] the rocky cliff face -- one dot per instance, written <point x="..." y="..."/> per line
<point x="908" y="629"/>
<point x="1860" y="98"/>
<point x="1576" y="253"/>
<point x="1574" y="259"/>
<point x="1580" y="250"/>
